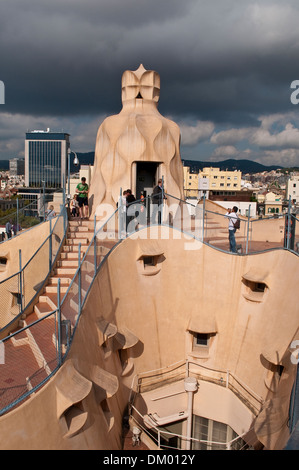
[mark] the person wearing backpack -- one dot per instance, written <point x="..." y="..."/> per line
<point x="233" y="225"/>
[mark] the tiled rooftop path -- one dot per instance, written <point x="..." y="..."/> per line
<point x="31" y="355"/>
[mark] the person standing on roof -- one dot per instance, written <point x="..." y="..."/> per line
<point x="157" y="201"/>
<point x="233" y="218"/>
<point x="82" y="190"/>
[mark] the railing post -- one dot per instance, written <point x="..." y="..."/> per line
<point x="59" y="324"/>
<point x="227" y="378"/>
<point x="187" y="368"/>
<point x="65" y="220"/>
<point x="95" y="245"/>
<point x="17" y="224"/>
<point x="79" y="279"/>
<point x="203" y="216"/>
<point x="120" y="214"/>
<point x="44" y="201"/>
<point x="63" y="194"/>
<point x="289" y="224"/>
<point x="248" y="229"/>
<point x="50" y="245"/>
<point x="162" y="202"/>
<point x="20" y="281"/>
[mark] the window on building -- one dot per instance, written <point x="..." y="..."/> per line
<point x="201" y="339"/>
<point x="215" y="434"/>
<point x="254" y="291"/>
<point x="149" y="261"/>
<point x="74" y="418"/>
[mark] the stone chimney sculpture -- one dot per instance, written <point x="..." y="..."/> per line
<point x="139" y="133"/>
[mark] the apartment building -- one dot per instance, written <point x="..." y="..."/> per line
<point x="220" y="180"/>
<point x="293" y="188"/>
<point x="217" y="180"/>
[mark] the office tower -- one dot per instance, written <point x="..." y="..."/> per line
<point x="46" y="158"/>
<point x="16" y="166"/>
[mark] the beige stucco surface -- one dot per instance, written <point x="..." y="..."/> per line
<point x="156" y="308"/>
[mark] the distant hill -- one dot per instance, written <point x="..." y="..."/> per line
<point x="245" y="166"/>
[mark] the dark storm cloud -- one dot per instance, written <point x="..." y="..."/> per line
<point x="68" y="57"/>
<point x="222" y="61"/>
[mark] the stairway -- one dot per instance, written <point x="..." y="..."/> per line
<point x="78" y="232"/>
<point x="31" y="355"/>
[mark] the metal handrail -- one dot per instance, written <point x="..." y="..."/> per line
<point x="58" y="311"/>
<point x="21" y="271"/>
<point x="223" y="380"/>
<point x="16" y="214"/>
<point x="159" y="432"/>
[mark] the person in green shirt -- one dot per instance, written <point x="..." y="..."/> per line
<point x="82" y="190"/>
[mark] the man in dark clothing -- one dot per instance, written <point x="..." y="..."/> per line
<point x="130" y="206"/>
<point x="157" y="200"/>
<point x="8" y="229"/>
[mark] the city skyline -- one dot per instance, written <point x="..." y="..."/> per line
<point x="228" y="72"/>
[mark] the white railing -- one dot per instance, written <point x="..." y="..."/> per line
<point x="159" y="437"/>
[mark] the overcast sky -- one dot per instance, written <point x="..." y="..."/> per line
<point x="226" y="69"/>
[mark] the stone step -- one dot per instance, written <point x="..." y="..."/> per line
<point x="68" y="255"/>
<point x="77" y="241"/>
<point x="42" y="308"/>
<point x="68" y="263"/>
<point x="53" y="289"/>
<point x="81" y="223"/>
<point x="50" y="299"/>
<point x="79" y="228"/>
<point x="67" y="270"/>
<point x="75" y="235"/>
<point x="65" y="279"/>
<point x="74" y="248"/>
